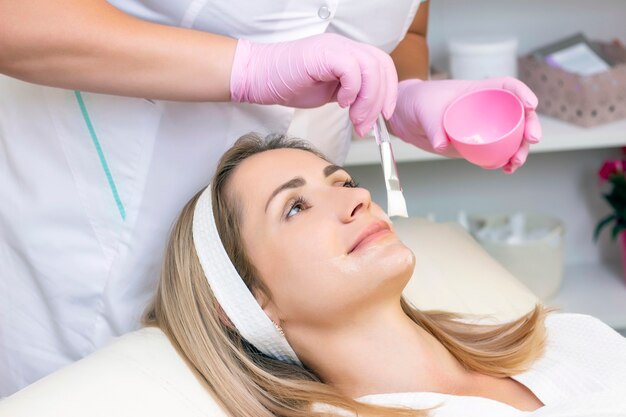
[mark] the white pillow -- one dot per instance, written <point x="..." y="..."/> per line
<point x="138" y="374"/>
<point x="142" y="374"/>
<point x="454" y="273"/>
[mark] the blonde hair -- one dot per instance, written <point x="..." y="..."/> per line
<point x="248" y="383"/>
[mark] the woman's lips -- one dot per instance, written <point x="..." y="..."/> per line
<point x="370" y="234"/>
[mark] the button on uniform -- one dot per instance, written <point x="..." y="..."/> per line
<point x="323" y="12"/>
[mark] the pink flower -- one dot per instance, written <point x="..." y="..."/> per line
<point x="610" y="168"/>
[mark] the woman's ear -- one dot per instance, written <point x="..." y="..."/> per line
<point x="264" y="301"/>
<point x="266" y="304"/>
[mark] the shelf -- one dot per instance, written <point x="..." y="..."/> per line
<point x="595" y="289"/>
<point x="557" y="136"/>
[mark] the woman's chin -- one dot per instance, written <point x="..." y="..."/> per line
<point x="400" y="261"/>
<point x="389" y="258"/>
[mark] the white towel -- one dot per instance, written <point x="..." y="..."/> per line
<point x="583" y="373"/>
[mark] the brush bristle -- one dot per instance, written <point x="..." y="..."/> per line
<point x="396" y="204"/>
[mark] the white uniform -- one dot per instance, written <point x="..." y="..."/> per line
<point x="91" y="183"/>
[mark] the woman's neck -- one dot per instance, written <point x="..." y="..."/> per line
<point x="384" y="353"/>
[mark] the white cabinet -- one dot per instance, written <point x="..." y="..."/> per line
<point x="598" y="289"/>
<point x="557" y="136"/>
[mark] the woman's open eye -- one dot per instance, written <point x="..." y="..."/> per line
<point x="298" y="205"/>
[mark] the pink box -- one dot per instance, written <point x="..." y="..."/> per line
<point x="583" y="100"/>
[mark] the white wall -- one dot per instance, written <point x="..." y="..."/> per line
<point x="533" y="22"/>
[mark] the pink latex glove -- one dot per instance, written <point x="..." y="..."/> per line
<point x="313" y="71"/>
<point x="418" y="118"/>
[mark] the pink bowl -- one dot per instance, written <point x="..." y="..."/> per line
<point x="485" y="126"/>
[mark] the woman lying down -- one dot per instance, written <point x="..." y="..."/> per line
<point x="282" y="288"/>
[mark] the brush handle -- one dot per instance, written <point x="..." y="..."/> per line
<point x="380" y="130"/>
<point x="388" y="163"/>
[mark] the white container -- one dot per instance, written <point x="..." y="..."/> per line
<point x="477" y="58"/>
<point x="533" y="253"/>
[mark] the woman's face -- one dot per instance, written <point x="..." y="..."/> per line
<point x="322" y="247"/>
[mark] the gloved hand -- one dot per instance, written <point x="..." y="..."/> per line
<point x="313" y="71"/>
<point x="418" y="118"/>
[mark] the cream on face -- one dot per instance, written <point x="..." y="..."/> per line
<point x="323" y="248"/>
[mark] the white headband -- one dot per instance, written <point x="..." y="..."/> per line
<point x="231" y="292"/>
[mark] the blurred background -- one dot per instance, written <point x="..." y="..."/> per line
<point x="560" y="178"/>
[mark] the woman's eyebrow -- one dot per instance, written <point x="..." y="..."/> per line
<point x="292" y="183"/>
<point x="330" y="169"/>
<point x="299" y="182"/>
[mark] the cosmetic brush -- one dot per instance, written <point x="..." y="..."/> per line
<point x="396" y="204"/>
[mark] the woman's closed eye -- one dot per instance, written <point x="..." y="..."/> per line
<point x="350" y="183"/>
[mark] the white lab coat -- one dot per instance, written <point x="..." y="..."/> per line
<point x="91" y="183"/>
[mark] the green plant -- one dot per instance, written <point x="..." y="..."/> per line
<point x="612" y="172"/>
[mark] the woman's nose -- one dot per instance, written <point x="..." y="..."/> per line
<point x="353" y="202"/>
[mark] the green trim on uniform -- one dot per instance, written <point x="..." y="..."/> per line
<point x="103" y="161"/>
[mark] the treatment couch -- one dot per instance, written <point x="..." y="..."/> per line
<point x="141" y="374"/>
